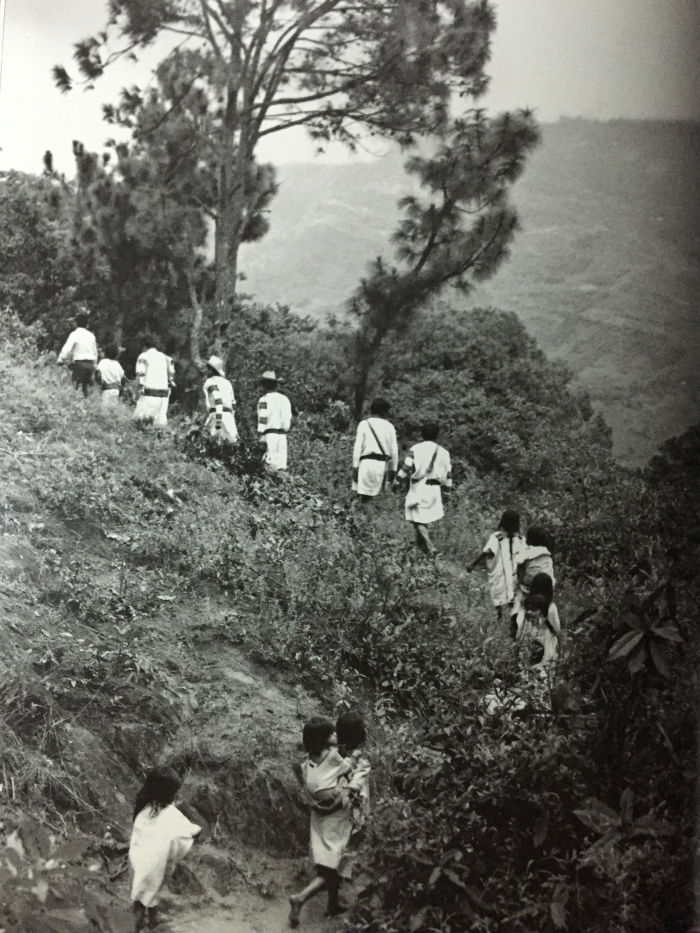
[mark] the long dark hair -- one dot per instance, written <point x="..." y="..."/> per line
<point x="317" y="731"/>
<point x="510" y="523"/>
<point x="350" y="730"/>
<point x="158" y="791"/>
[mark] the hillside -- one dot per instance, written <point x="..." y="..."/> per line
<point x="158" y="606"/>
<point x="605" y="272"/>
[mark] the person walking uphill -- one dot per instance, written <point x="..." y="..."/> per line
<point x="375" y="452"/>
<point x="221" y="403"/>
<point x="156" y="376"/>
<point x="110" y="376"/>
<point x="274" y="421"/>
<point x="160" y="838"/>
<point x="80" y="351"/>
<point x="429" y="469"/>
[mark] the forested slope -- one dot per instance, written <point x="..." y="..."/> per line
<point x="604" y="273"/>
<point x="161" y="606"/>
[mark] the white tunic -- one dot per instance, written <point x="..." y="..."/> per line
<point x="329" y="832"/>
<point x="501" y="566"/>
<point x="155" y="372"/>
<point x="81" y="345"/>
<point x="423" y="500"/>
<point x="274" y="421"/>
<point x="110" y="374"/>
<point x="371" y="472"/>
<point x="221" y="403"/>
<point x="158" y="841"/>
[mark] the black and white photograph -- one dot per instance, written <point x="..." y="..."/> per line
<point x="349" y="459"/>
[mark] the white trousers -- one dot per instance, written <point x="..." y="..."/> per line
<point x="150" y="408"/>
<point x="276" y="454"/>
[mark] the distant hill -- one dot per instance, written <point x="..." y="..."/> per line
<point x="605" y="272"/>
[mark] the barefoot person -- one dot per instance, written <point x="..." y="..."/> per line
<point x="160" y="838"/>
<point x="429" y="471"/>
<point x="375" y="456"/>
<point x="500" y="554"/>
<point x="324" y="776"/>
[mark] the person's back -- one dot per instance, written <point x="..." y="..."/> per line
<point x="80" y="352"/>
<point x="110" y="376"/>
<point x="274" y="421"/>
<point x="375" y="455"/>
<point x="155" y="373"/>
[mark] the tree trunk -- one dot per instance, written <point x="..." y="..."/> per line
<point x="195" y="327"/>
<point x="367" y="350"/>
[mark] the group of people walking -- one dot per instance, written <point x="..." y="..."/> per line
<point x="155" y="380"/>
<point x="334" y="785"/>
<point x="334" y="775"/>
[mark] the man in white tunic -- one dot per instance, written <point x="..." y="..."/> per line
<point x="429" y="471"/>
<point x="221" y="403"/>
<point x="80" y="351"/>
<point x="155" y="373"/>
<point x="274" y="421"/>
<point x="375" y="452"/>
<point x="110" y="376"/>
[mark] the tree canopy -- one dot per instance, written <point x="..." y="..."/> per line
<point x="241" y="71"/>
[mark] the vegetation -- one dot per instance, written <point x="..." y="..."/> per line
<point x="575" y="812"/>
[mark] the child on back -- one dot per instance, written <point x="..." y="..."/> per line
<point x="500" y="553"/>
<point x="535" y="557"/>
<point x="161" y="836"/>
<point x="538" y="623"/>
<point x="351" y="734"/>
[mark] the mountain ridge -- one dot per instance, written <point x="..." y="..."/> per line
<point x="604" y="272"/>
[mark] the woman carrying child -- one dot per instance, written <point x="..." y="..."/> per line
<point x="161" y="836"/>
<point x="336" y="790"/>
<point x="500" y="553"/>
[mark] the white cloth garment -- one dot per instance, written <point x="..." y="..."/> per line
<point x="501" y="566"/>
<point x="110" y="374"/>
<point x="274" y="421"/>
<point x="544" y="632"/>
<point x="329" y="832"/>
<point x="370" y="475"/>
<point x="221" y="403"/>
<point x="155" y="372"/>
<point x="158" y="841"/>
<point x="81" y="345"/>
<point x="424" y="501"/>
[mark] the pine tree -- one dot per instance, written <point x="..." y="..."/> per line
<point x="340" y="69"/>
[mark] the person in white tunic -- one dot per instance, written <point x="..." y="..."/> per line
<point x="274" y="421"/>
<point x="160" y="838"/>
<point x="375" y="456"/>
<point x="155" y="373"/>
<point x="80" y="352"/>
<point x="500" y="554"/>
<point x="110" y="376"/>
<point x="221" y="403"/>
<point x="429" y="471"/>
<point x="327" y="777"/>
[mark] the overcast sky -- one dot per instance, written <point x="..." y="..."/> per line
<point x="591" y="58"/>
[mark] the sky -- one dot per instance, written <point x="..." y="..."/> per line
<point x="599" y="59"/>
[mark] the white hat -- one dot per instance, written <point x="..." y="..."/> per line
<point x="217" y="364"/>
<point x="269" y="374"/>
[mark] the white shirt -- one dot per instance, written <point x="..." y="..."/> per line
<point x="274" y="412"/>
<point x="155" y="370"/>
<point x="81" y="345"/>
<point x="158" y="840"/>
<point x="365" y="442"/>
<point x="110" y="372"/>
<point x="218" y="391"/>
